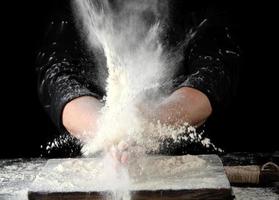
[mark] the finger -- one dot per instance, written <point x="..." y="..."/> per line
<point x="122" y="146"/>
<point x="124" y="157"/>
<point x="115" y="153"/>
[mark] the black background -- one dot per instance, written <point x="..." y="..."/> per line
<point x="250" y="124"/>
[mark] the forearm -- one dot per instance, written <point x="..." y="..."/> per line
<point x="80" y="116"/>
<point x="184" y="105"/>
<point x="62" y="75"/>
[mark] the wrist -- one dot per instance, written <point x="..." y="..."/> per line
<point x="79" y="116"/>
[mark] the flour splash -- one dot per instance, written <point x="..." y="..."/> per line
<point x="129" y="35"/>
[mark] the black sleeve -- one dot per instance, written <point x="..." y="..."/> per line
<point x="213" y="60"/>
<point x="61" y="64"/>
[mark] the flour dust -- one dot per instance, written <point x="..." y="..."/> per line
<point x="129" y="34"/>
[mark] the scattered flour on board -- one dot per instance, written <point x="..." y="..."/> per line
<point x="97" y="174"/>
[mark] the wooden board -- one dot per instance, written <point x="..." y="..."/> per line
<point x="204" y="181"/>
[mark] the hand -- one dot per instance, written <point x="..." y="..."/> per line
<point x="80" y="116"/>
<point x="119" y="152"/>
<point x="183" y="105"/>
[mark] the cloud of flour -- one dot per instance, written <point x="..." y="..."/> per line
<point x="129" y="35"/>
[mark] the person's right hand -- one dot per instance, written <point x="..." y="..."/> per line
<point x="80" y="116"/>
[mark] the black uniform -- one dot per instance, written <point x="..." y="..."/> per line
<point x="211" y="59"/>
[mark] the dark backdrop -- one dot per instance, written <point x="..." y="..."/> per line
<point x="249" y="125"/>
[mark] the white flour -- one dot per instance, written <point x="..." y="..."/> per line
<point x="137" y="64"/>
<point x="135" y="61"/>
<point x="128" y="32"/>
